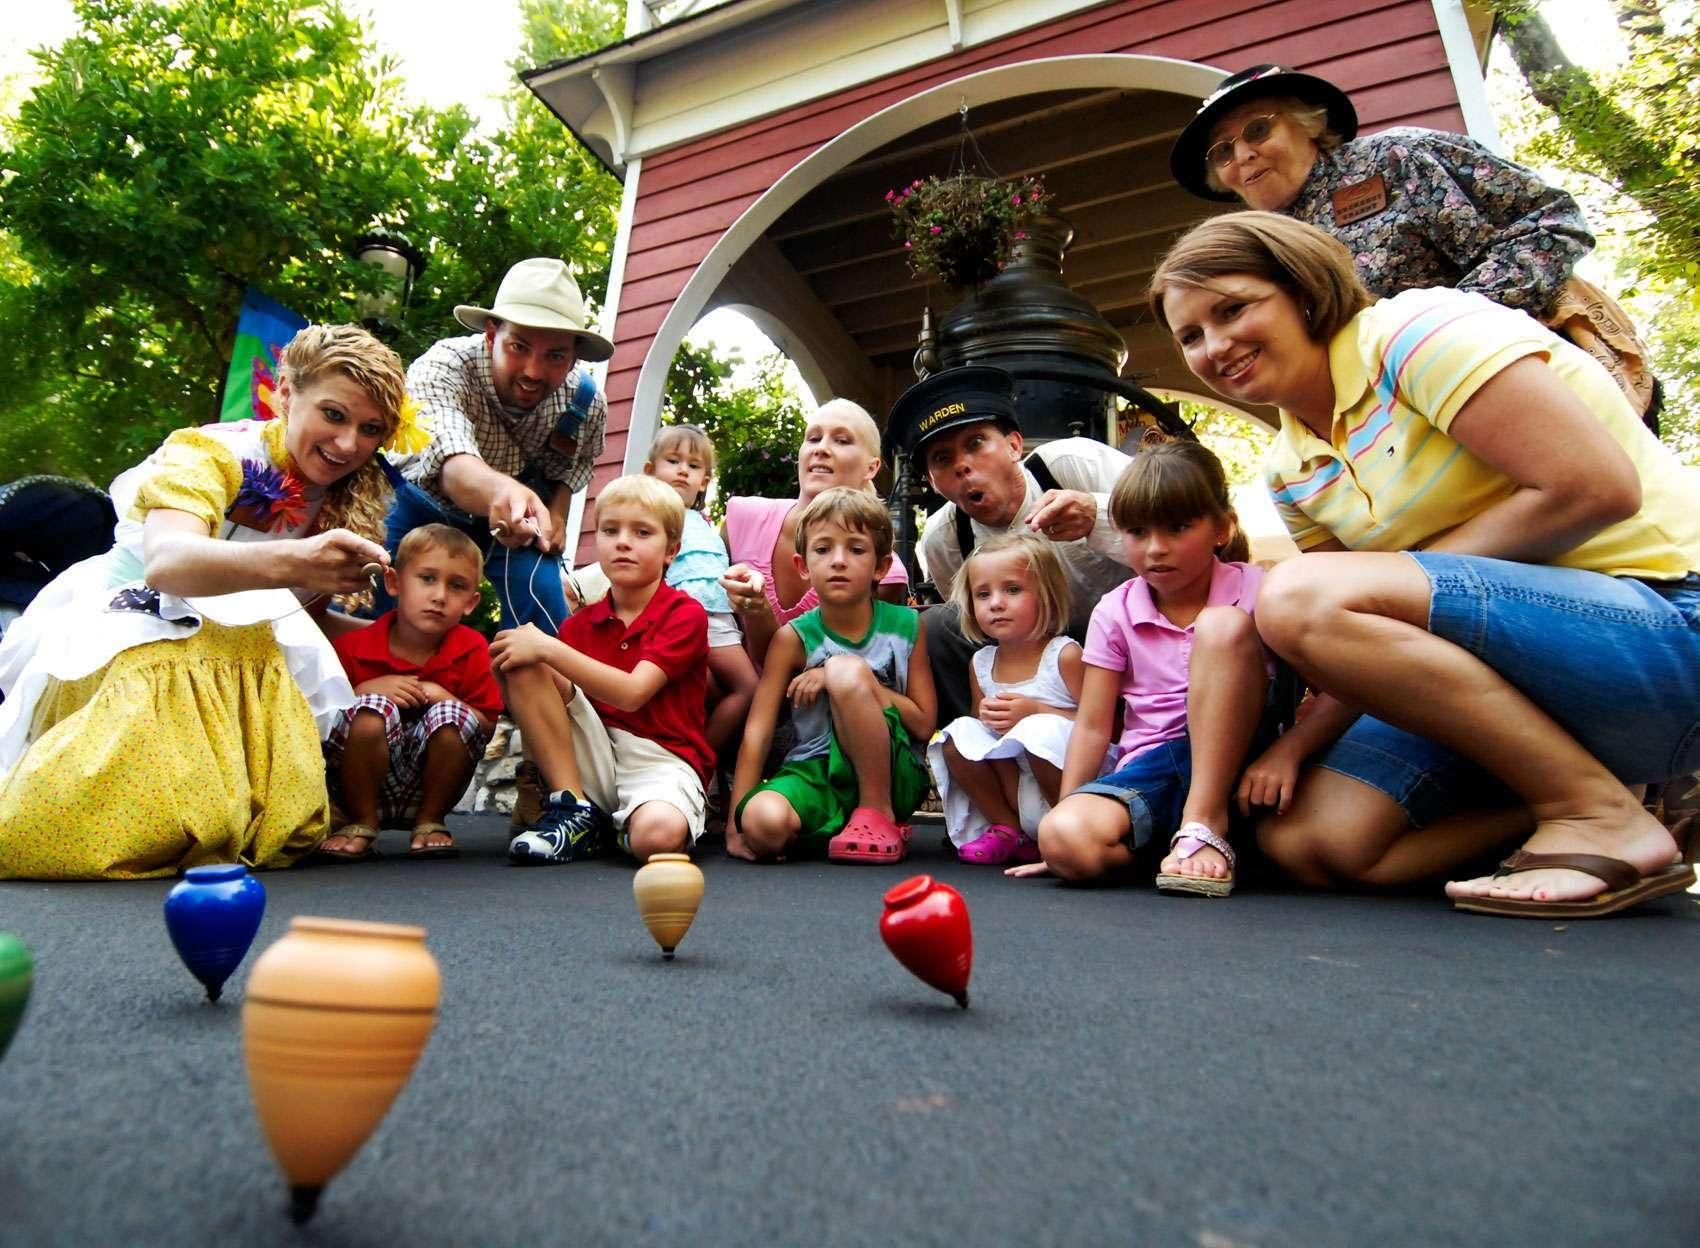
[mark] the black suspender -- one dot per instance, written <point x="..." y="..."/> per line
<point x="964" y="527"/>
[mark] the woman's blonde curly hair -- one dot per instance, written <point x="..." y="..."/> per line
<point x="360" y="500"/>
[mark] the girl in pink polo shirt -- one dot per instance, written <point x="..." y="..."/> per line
<point x="1178" y="647"/>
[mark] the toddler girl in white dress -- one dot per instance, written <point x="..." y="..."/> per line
<point x="998" y="769"/>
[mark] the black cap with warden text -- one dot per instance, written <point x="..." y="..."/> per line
<point x="949" y="399"/>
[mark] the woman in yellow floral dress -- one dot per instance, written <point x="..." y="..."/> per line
<point x="164" y="702"/>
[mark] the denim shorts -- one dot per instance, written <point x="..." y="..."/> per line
<point x="1614" y="660"/>
<point x="1153" y="786"/>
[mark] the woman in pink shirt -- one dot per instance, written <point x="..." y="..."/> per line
<point x="841" y="446"/>
<point x="1177" y="646"/>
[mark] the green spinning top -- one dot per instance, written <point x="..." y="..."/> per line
<point x="16" y="974"/>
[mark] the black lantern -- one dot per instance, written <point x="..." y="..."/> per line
<point x="401" y="263"/>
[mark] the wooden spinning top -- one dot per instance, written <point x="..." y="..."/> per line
<point x="336" y="1014"/>
<point x="668" y="889"/>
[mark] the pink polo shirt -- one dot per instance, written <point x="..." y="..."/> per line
<point x="1129" y="635"/>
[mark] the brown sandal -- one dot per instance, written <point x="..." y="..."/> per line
<point x="360" y="833"/>
<point x="427" y="830"/>
<point x="1625" y="886"/>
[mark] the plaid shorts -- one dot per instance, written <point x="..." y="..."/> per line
<point x="406" y="732"/>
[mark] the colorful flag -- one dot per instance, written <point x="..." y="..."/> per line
<point x="263" y="330"/>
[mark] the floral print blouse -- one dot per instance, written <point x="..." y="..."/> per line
<point x="1447" y="212"/>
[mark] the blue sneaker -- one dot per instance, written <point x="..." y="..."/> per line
<point x="567" y="829"/>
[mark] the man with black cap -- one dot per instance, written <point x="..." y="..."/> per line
<point x="959" y="426"/>
<point x="517" y="426"/>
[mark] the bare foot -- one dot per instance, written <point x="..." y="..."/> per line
<point x="1624" y="831"/>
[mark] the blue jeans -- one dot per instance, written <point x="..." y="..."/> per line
<point x="1614" y="660"/>
<point x="527" y="583"/>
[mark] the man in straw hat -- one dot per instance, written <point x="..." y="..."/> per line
<point x="517" y="426"/>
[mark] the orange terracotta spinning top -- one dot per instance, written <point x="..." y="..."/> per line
<point x="336" y="1014"/>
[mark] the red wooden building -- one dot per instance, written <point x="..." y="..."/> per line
<point x="756" y="140"/>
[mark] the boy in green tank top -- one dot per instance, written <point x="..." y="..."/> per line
<point x="861" y="693"/>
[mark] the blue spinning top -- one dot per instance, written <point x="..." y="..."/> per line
<point x="212" y="915"/>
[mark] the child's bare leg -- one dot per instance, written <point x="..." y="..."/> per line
<point x="1341" y="831"/>
<point x="1082" y="836"/>
<point x="1356" y="625"/>
<point x="657" y="828"/>
<point x="444" y="774"/>
<point x="1049" y="778"/>
<point x="365" y="763"/>
<point x="1226" y="687"/>
<point x="732" y="670"/>
<point x="983" y="785"/>
<point x="858" y="722"/>
<point x="769" y="825"/>
<point x="537" y="699"/>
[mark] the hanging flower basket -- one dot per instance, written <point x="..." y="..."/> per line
<point x="960" y="230"/>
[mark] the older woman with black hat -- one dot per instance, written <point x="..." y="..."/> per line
<point x="1415" y="207"/>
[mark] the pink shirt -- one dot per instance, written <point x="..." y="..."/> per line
<point x="752" y="529"/>
<point x="1128" y="634"/>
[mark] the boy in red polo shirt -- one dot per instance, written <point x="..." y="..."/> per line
<point x="612" y="710"/>
<point x="426" y="701"/>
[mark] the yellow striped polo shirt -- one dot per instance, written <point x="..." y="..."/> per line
<point x="1389" y="477"/>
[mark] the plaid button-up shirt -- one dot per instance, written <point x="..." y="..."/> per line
<point x="451" y="383"/>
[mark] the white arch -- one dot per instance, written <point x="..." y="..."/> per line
<point x="1113" y="71"/>
<point x="780" y="335"/>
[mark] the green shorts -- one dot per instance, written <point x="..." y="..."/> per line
<point x="822" y="790"/>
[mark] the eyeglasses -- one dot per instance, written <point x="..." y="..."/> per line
<point x="1255" y="132"/>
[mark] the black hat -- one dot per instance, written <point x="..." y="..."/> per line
<point x="1186" y="158"/>
<point x="968" y="395"/>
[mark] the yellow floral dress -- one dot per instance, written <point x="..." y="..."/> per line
<point x="141" y="732"/>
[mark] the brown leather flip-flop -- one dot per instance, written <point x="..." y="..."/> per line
<point x="1625" y="887"/>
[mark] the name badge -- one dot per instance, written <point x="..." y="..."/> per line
<point x="1360" y="200"/>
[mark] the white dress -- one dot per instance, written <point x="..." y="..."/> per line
<point x="1041" y="736"/>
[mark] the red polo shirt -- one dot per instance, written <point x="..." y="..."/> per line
<point x="461" y="664"/>
<point x="672" y="633"/>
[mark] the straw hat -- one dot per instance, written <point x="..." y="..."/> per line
<point x="540" y="294"/>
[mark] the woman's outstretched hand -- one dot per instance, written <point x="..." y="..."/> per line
<point x="334" y="562"/>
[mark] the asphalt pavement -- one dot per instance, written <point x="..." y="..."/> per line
<point x="1273" y="1069"/>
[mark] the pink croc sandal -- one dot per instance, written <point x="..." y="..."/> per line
<point x="868" y="836"/>
<point x="993" y="847"/>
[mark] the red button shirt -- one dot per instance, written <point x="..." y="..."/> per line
<point x="461" y="664"/>
<point x="672" y="633"/>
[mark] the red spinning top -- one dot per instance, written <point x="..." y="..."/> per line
<point x="925" y="925"/>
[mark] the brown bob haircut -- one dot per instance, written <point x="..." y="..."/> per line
<point x="1174" y="483"/>
<point x="855" y="511"/>
<point x="1309" y="264"/>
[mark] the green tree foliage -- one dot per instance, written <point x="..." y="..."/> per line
<point x="178" y="151"/>
<point x="756" y="427"/>
<point x="1630" y="135"/>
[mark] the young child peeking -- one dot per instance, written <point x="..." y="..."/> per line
<point x="611" y="711"/>
<point x="855" y="671"/>
<point x="682" y="457"/>
<point x="426" y="701"/>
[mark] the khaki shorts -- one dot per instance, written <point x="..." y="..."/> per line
<point x="622" y="770"/>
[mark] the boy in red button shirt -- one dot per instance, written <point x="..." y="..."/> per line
<point x="426" y="701"/>
<point x="612" y="710"/>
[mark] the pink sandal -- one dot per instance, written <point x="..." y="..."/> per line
<point x="868" y="836"/>
<point x="995" y="846"/>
